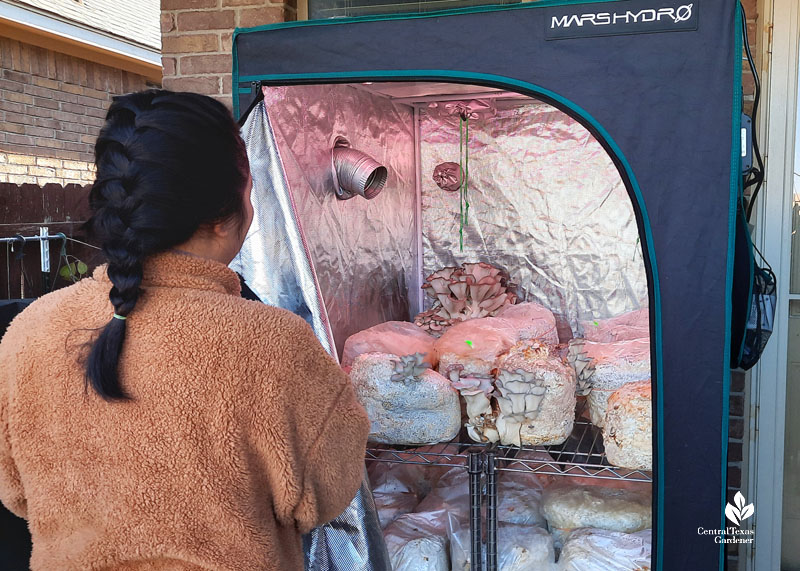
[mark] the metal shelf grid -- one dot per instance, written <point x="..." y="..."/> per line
<point x="581" y="455"/>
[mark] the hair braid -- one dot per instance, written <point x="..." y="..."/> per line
<point x="167" y="163"/>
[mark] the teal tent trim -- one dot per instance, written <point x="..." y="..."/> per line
<point x="735" y="203"/>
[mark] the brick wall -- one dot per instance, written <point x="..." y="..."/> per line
<point x="739" y="419"/>
<point x="737" y="447"/>
<point x="51" y="108"/>
<point x="748" y="84"/>
<point x="196" y="40"/>
<point x="22" y="169"/>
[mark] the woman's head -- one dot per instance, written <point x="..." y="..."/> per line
<point x="171" y="168"/>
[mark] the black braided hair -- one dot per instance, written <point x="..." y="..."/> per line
<point x="167" y="165"/>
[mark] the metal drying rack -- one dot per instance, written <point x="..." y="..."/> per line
<point x="44" y="239"/>
<point x="582" y="454"/>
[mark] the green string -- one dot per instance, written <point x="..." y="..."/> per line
<point x="461" y="188"/>
<point x="466" y="173"/>
<point x="463" y="163"/>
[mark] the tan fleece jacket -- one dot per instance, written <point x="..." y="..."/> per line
<point x="242" y="433"/>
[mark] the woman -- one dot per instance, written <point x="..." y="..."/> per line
<point x="151" y="418"/>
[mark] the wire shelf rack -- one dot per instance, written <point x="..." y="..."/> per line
<point x="582" y="454"/>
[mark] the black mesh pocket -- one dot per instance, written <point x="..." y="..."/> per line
<point x="762" y="317"/>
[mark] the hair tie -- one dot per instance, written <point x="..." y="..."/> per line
<point x="122" y="317"/>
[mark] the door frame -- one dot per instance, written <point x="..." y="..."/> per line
<point x="779" y="30"/>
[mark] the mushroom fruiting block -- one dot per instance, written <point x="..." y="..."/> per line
<point x="529" y="374"/>
<point x="628" y="430"/>
<point x="395" y="337"/>
<point x="407" y="403"/>
<point x="631" y="325"/>
<point x="568" y="507"/>
<point x="602" y="368"/>
<point x="530" y="320"/>
<point x="590" y="549"/>
<point x="474" y="345"/>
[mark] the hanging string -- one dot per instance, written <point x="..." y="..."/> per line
<point x="83" y="243"/>
<point x="461" y="188"/>
<point x="466" y="172"/>
<point x="463" y="160"/>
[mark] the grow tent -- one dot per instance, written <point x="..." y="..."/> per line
<point x="658" y="88"/>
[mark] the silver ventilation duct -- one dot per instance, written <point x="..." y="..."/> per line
<point x="356" y="172"/>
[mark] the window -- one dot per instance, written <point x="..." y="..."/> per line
<point x="319" y="9"/>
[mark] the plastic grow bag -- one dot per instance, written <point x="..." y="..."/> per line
<point x="658" y="85"/>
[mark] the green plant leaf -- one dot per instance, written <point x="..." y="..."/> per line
<point x="82" y="268"/>
<point x="64" y="272"/>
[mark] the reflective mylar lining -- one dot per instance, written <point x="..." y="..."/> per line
<point x="546" y="203"/>
<point x="275" y="263"/>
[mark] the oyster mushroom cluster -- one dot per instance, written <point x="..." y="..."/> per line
<point x="461" y="293"/>
<point x="603" y="367"/>
<point x="409" y="369"/>
<point x="477" y="392"/>
<point x="519" y="394"/>
<point x="583" y="364"/>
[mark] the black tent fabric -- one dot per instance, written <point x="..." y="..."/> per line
<point x="659" y="85"/>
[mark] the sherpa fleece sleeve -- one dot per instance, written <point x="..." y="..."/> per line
<point x="335" y="464"/>
<point x="314" y="442"/>
<point x="11" y="492"/>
